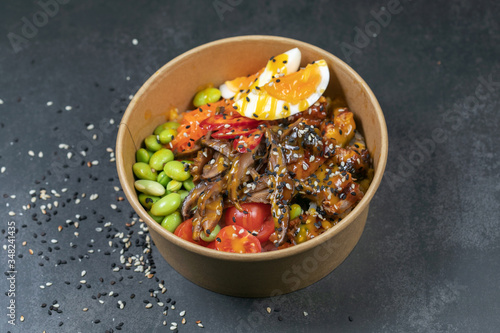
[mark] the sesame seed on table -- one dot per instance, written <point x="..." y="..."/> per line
<point x="80" y="258"/>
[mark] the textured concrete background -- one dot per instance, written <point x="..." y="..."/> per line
<point x="428" y="260"/>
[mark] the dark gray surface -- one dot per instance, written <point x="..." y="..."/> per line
<point x="428" y="260"/>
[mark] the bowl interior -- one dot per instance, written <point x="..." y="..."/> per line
<point x="175" y="84"/>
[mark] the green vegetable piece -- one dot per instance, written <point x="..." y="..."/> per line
<point x="188" y="184"/>
<point x="143" y="171"/>
<point x="162" y="127"/>
<point x="172" y="221"/>
<point x="166" y="205"/>
<point x="183" y="194"/>
<point x="174" y="185"/>
<point x="147" y="200"/>
<point x="212" y="236"/>
<point x="149" y="187"/>
<point x="156" y="218"/>
<point x="205" y="96"/>
<point x="160" y="158"/>
<point x="142" y="155"/>
<point x="167" y="135"/>
<point x="295" y="211"/>
<point x="163" y="178"/>
<point x="152" y="143"/>
<point x="176" y="170"/>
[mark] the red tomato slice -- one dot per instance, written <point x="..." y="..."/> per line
<point x="236" y="239"/>
<point x="266" y="230"/>
<point x="185" y="231"/>
<point x="219" y="121"/>
<point x="251" y="218"/>
<point x="248" y="142"/>
<point x="232" y="132"/>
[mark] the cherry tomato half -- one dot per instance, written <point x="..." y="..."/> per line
<point x="266" y="230"/>
<point x="236" y="239"/>
<point x="185" y="231"/>
<point x="251" y="218"/>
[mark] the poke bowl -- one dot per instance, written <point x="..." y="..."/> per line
<point x="295" y="253"/>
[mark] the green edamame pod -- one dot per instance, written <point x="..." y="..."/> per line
<point x="163" y="179"/>
<point x="295" y="211"/>
<point x="156" y="218"/>
<point x="188" y="184"/>
<point x="149" y="187"/>
<point x="160" y="158"/>
<point x="143" y="155"/>
<point x="183" y="194"/>
<point x="152" y="143"/>
<point x="147" y="200"/>
<point x="167" y="135"/>
<point x="176" y="170"/>
<point x="172" y="221"/>
<point x="208" y="95"/>
<point x="166" y="205"/>
<point x="171" y="124"/>
<point x="212" y="236"/>
<point x="143" y="171"/>
<point x="174" y="185"/>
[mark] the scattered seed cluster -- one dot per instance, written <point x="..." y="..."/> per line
<point x="78" y="230"/>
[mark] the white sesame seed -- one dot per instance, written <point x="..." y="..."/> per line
<point x="53" y="241"/>
<point x="68" y="107"/>
<point x="2" y="170"/>
<point x="11" y="213"/>
<point x="90" y="127"/>
<point x="1" y="102"/>
<point x="182" y="313"/>
<point x="83" y="273"/>
<point x="306" y="314"/>
<point x="49" y="103"/>
<point x="135" y="41"/>
<point x="31" y="153"/>
<point x="113" y="206"/>
<point x="149" y="306"/>
<point x="40" y="154"/>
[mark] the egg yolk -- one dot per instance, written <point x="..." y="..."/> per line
<point x="295" y="87"/>
<point x="243" y="82"/>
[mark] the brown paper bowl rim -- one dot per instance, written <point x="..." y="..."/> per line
<point x="130" y="192"/>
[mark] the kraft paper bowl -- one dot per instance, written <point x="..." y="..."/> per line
<point x="260" y="274"/>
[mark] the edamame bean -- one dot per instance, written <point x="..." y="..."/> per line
<point x="156" y="218"/>
<point x="147" y="200"/>
<point x="143" y="171"/>
<point x="163" y="179"/>
<point x="167" y="135"/>
<point x="174" y="185"/>
<point x="172" y="221"/>
<point x="152" y="143"/>
<point x="142" y="155"/>
<point x="183" y="194"/>
<point x="188" y="184"/>
<point x="208" y="95"/>
<point x="161" y="157"/>
<point x="162" y="127"/>
<point x="176" y="170"/>
<point x="213" y="234"/>
<point x="149" y="187"/>
<point x="295" y="211"/>
<point x="166" y="205"/>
